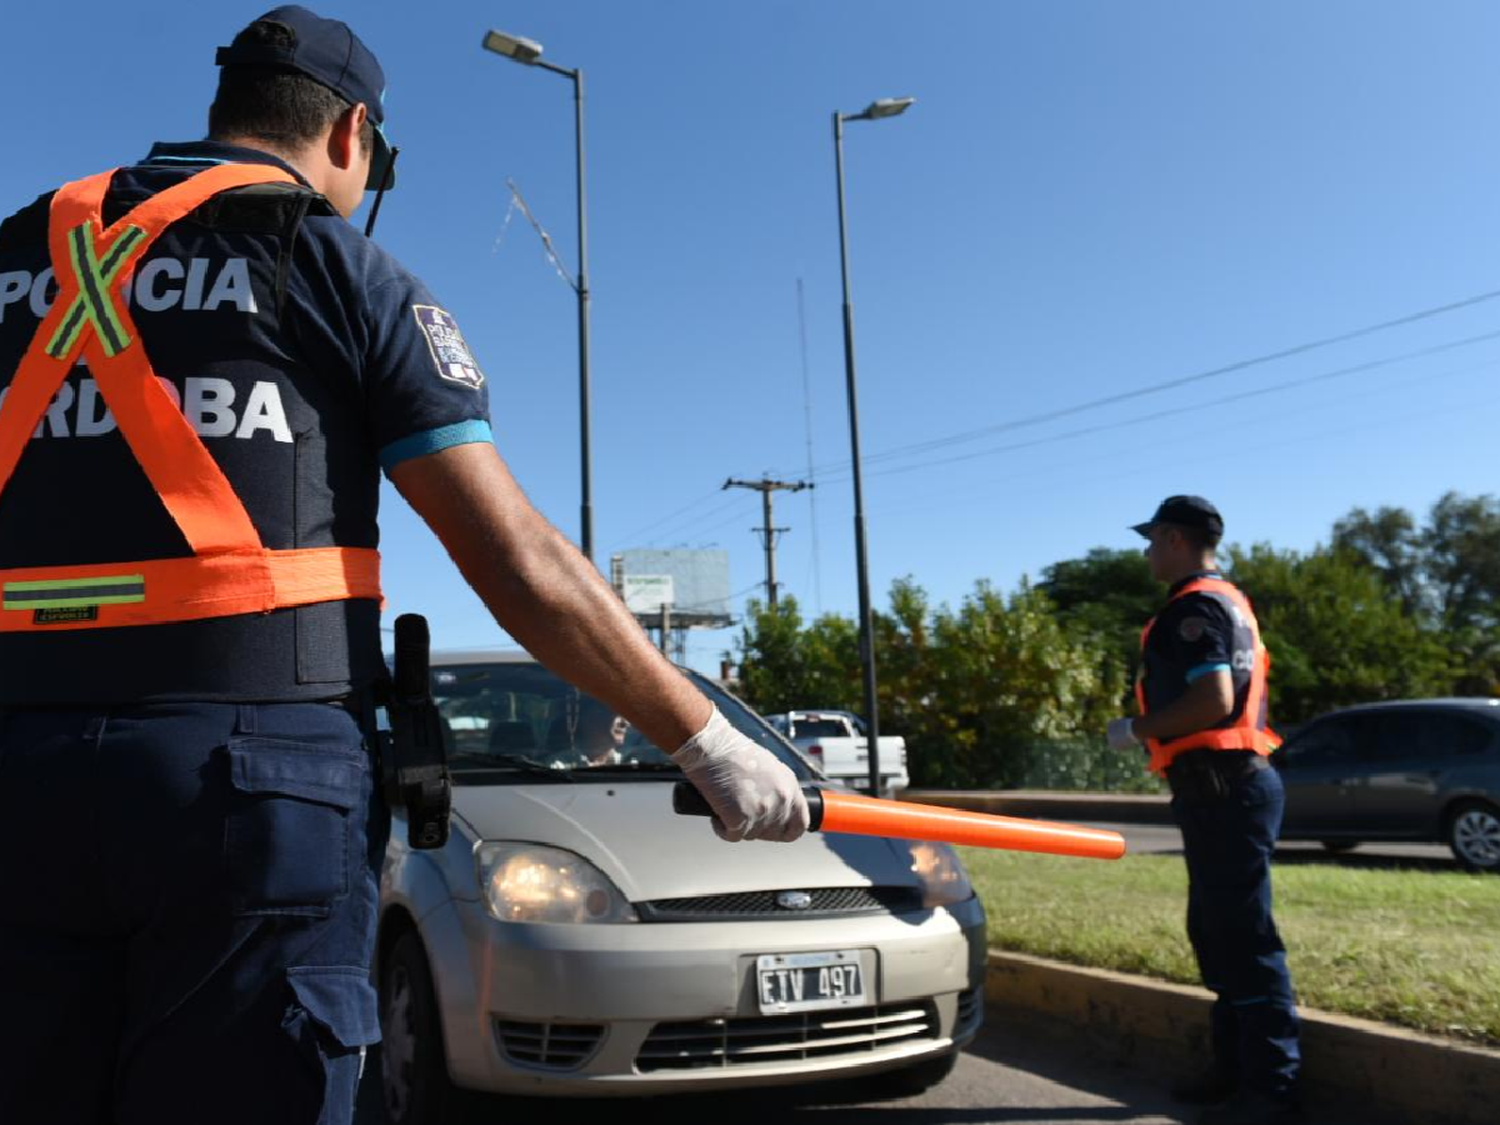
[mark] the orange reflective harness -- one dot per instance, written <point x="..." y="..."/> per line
<point x="1246" y="733"/>
<point x="230" y="570"/>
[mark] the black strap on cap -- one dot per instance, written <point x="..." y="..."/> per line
<point x="390" y="166"/>
<point x="256" y="54"/>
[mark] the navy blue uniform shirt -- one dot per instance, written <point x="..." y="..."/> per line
<point x="1194" y="636"/>
<point x="306" y="360"/>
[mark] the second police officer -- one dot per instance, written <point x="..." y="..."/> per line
<point x="1202" y="696"/>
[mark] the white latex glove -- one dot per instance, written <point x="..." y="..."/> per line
<point x="1120" y="734"/>
<point x="754" y="795"/>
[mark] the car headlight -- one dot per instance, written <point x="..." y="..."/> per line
<point x="944" y="880"/>
<point x="533" y="883"/>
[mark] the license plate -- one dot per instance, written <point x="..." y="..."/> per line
<point x="805" y="982"/>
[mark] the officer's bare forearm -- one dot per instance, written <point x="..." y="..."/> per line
<point x="544" y="593"/>
<point x="1208" y="700"/>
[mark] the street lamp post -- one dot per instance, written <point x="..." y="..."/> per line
<point x="529" y="53"/>
<point x="885" y="107"/>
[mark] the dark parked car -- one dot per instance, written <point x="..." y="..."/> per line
<point x="1420" y="770"/>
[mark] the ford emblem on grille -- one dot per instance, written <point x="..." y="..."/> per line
<point x="793" y="900"/>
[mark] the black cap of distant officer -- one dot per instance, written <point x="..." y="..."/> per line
<point x="329" y="53"/>
<point x="1184" y="511"/>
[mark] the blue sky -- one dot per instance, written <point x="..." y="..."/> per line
<point x="1089" y="197"/>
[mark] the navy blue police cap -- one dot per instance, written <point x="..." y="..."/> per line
<point x="1184" y="511"/>
<point x="329" y="53"/>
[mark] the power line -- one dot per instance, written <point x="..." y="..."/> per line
<point x="664" y="519"/>
<point x="739" y="514"/>
<point x="1116" y="456"/>
<point x="842" y="467"/>
<point x="1157" y="388"/>
<point x="678" y="527"/>
<point x="1175" y="411"/>
<point x="1156" y="415"/>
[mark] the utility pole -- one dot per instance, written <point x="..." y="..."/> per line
<point x="766" y="487"/>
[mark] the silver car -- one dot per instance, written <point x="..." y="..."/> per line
<point x="576" y="938"/>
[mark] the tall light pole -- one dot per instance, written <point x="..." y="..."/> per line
<point x="885" y="107"/>
<point x="529" y="53"/>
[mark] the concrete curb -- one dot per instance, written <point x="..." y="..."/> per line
<point x="1119" y="808"/>
<point x="1357" y="1066"/>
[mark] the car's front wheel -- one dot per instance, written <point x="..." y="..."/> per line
<point x="1474" y="836"/>
<point x="414" y="1074"/>
<point x="910" y="1081"/>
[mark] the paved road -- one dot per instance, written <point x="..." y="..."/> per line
<point x="1159" y="838"/>
<point x="1007" y="1077"/>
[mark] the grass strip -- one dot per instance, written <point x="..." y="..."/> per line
<point x="1416" y="948"/>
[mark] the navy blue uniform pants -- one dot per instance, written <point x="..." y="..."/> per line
<point x="187" y="914"/>
<point x="1228" y="843"/>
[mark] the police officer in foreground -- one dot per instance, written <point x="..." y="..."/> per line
<point x="1203" y="724"/>
<point x="205" y="370"/>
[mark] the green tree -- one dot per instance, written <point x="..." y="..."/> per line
<point x="905" y="660"/>
<point x="981" y="693"/>
<point x="1462" y="545"/>
<point x="1389" y="543"/>
<point x="1006" y="675"/>
<point x="1447" y="573"/>
<point x="784" y="666"/>
<point x="1462" y="549"/>
<point x="1335" y="633"/>
<point x="1108" y="594"/>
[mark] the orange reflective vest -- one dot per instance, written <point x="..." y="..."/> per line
<point x="1249" y="730"/>
<point x="230" y="571"/>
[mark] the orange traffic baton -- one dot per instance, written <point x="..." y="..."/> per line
<point x="832" y="811"/>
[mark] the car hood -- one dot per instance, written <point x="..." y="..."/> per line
<point x="630" y="832"/>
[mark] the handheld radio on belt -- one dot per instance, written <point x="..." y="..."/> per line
<point x="415" y="770"/>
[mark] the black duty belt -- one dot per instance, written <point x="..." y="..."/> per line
<point x="1208" y="775"/>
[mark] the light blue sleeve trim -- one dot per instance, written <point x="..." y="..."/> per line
<point x="432" y="441"/>
<point x="1205" y="670"/>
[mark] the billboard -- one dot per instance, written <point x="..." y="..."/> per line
<point x="647" y="593"/>
<point x="698" y="582"/>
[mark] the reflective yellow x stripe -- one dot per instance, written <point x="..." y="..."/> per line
<point x="92" y="305"/>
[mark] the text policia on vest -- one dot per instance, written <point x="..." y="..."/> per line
<point x="213" y="406"/>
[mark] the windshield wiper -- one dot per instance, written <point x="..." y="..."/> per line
<point x="631" y="767"/>
<point x="517" y="762"/>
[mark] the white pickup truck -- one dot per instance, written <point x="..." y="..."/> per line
<point x="836" y="741"/>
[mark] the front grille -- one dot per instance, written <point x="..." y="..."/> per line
<point x="721" y="1043"/>
<point x="970" y="1011"/>
<point x="553" y="1046"/>
<point x="761" y="905"/>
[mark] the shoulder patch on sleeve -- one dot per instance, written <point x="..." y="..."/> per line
<point x="450" y="354"/>
<point x="1192" y="629"/>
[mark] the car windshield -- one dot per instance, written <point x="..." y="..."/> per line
<point x="516" y="721"/>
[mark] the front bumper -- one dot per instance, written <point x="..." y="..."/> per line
<point x="653" y="1008"/>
